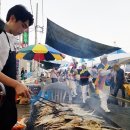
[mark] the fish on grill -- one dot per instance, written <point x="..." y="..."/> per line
<point x="57" y="117"/>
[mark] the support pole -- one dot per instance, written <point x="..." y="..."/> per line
<point x="36" y="23"/>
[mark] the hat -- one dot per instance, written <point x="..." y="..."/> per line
<point x="103" y="56"/>
<point x="84" y="64"/>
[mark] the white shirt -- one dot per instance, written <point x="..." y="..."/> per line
<point x="4" y="48"/>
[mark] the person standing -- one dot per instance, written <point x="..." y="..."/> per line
<point x="72" y="81"/>
<point x="119" y="80"/>
<point x="25" y="74"/>
<point x="54" y="75"/>
<point x="94" y="73"/>
<point x="84" y="82"/>
<point x="103" y="82"/>
<point x="17" y="20"/>
<point x="22" y="73"/>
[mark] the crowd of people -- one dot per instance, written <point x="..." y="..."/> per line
<point x="104" y="79"/>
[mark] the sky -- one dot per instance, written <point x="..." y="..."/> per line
<point x="104" y="21"/>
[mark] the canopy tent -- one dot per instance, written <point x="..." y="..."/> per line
<point x="49" y="65"/>
<point x="73" y="44"/>
<point x="118" y="51"/>
<point x="121" y="58"/>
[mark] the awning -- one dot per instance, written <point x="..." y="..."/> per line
<point x="73" y="44"/>
<point x="49" y="65"/>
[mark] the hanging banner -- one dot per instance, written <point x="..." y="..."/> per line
<point x="26" y="37"/>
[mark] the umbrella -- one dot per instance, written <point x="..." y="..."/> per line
<point x="39" y="52"/>
<point x="56" y="54"/>
<point x="20" y="55"/>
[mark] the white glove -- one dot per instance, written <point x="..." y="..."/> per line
<point x="90" y="79"/>
<point x="105" y="72"/>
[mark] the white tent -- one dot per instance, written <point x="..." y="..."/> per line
<point x="121" y="58"/>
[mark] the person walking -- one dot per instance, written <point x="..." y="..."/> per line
<point x="72" y="81"/>
<point x="17" y="20"/>
<point x="119" y="80"/>
<point x="84" y="82"/>
<point x="103" y="82"/>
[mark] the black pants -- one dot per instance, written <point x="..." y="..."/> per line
<point x="8" y="115"/>
<point x="117" y="87"/>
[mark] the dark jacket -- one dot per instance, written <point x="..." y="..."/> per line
<point x="120" y="77"/>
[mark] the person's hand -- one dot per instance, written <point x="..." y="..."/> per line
<point x="90" y="80"/>
<point x="22" y="90"/>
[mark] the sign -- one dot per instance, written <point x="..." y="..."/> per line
<point x="26" y="37"/>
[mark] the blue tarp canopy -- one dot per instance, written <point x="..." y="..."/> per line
<point x="73" y="44"/>
<point x="118" y="51"/>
